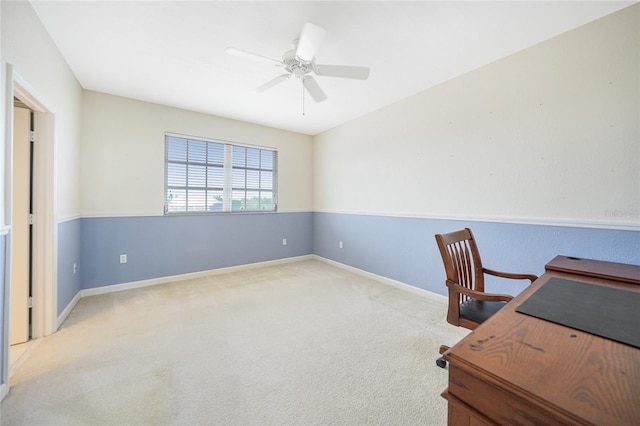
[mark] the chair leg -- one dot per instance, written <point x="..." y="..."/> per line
<point x="442" y="362"/>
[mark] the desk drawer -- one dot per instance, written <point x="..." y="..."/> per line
<point x="498" y="403"/>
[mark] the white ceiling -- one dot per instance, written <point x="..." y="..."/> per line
<point x="172" y="52"/>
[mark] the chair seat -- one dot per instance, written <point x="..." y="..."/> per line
<point x="479" y="310"/>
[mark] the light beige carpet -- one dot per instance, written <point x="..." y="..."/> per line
<point x="302" y="343"/>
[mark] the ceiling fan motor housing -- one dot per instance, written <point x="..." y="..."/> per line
<point x="295" y="66"/>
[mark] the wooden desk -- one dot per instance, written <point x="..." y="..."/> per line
<point x="518" y="369"/>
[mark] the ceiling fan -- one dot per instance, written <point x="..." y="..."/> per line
<point x="300" y="63"/>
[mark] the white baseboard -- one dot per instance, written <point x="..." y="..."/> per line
<point x="181" y="277"/>
<point x="393" y="283"/>
<point x="4" y="390"/>
<point x="63" y="316"/>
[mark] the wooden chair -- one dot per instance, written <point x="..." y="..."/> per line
<point x="469" y="305"/>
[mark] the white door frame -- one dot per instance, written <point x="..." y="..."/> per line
<point x="45" y="230"/>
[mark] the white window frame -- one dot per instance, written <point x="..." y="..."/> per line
<point x="231" y="172"/>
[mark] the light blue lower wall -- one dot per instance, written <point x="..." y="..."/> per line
<point x="404" y="249"/>
<point x="68" y="253"/>
<point x="399" y="248"/>
<point x="161" y="246"/>
<point x="3" y="260"/>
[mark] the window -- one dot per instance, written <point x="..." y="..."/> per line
<point x="213" y="176"/>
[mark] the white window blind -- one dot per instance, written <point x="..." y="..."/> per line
<point x="207" y="176"/>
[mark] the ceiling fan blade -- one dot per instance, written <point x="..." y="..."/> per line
<point x="344" y="71"/>
<point x="269" y="84"/>
<point x="249" y="55"/>
<point x="311" y="38"/>
<point x="314" y="89"/>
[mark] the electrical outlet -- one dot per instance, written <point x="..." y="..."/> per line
<point x="123" y="258"/>
<point x="340" y="244"/>
<point x="284" y="241"/>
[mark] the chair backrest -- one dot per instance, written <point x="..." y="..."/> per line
<point x="461" y="259"/>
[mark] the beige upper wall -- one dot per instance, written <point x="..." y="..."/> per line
<point x="123" y="154"/>
<point x="549" y="134"/>
<point x="38" y="63"/>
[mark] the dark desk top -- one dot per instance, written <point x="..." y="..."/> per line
<point x="602" y="310"/>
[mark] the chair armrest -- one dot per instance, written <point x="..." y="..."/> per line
<point x="478" y="295"/>
<point x="509" y="275"/>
